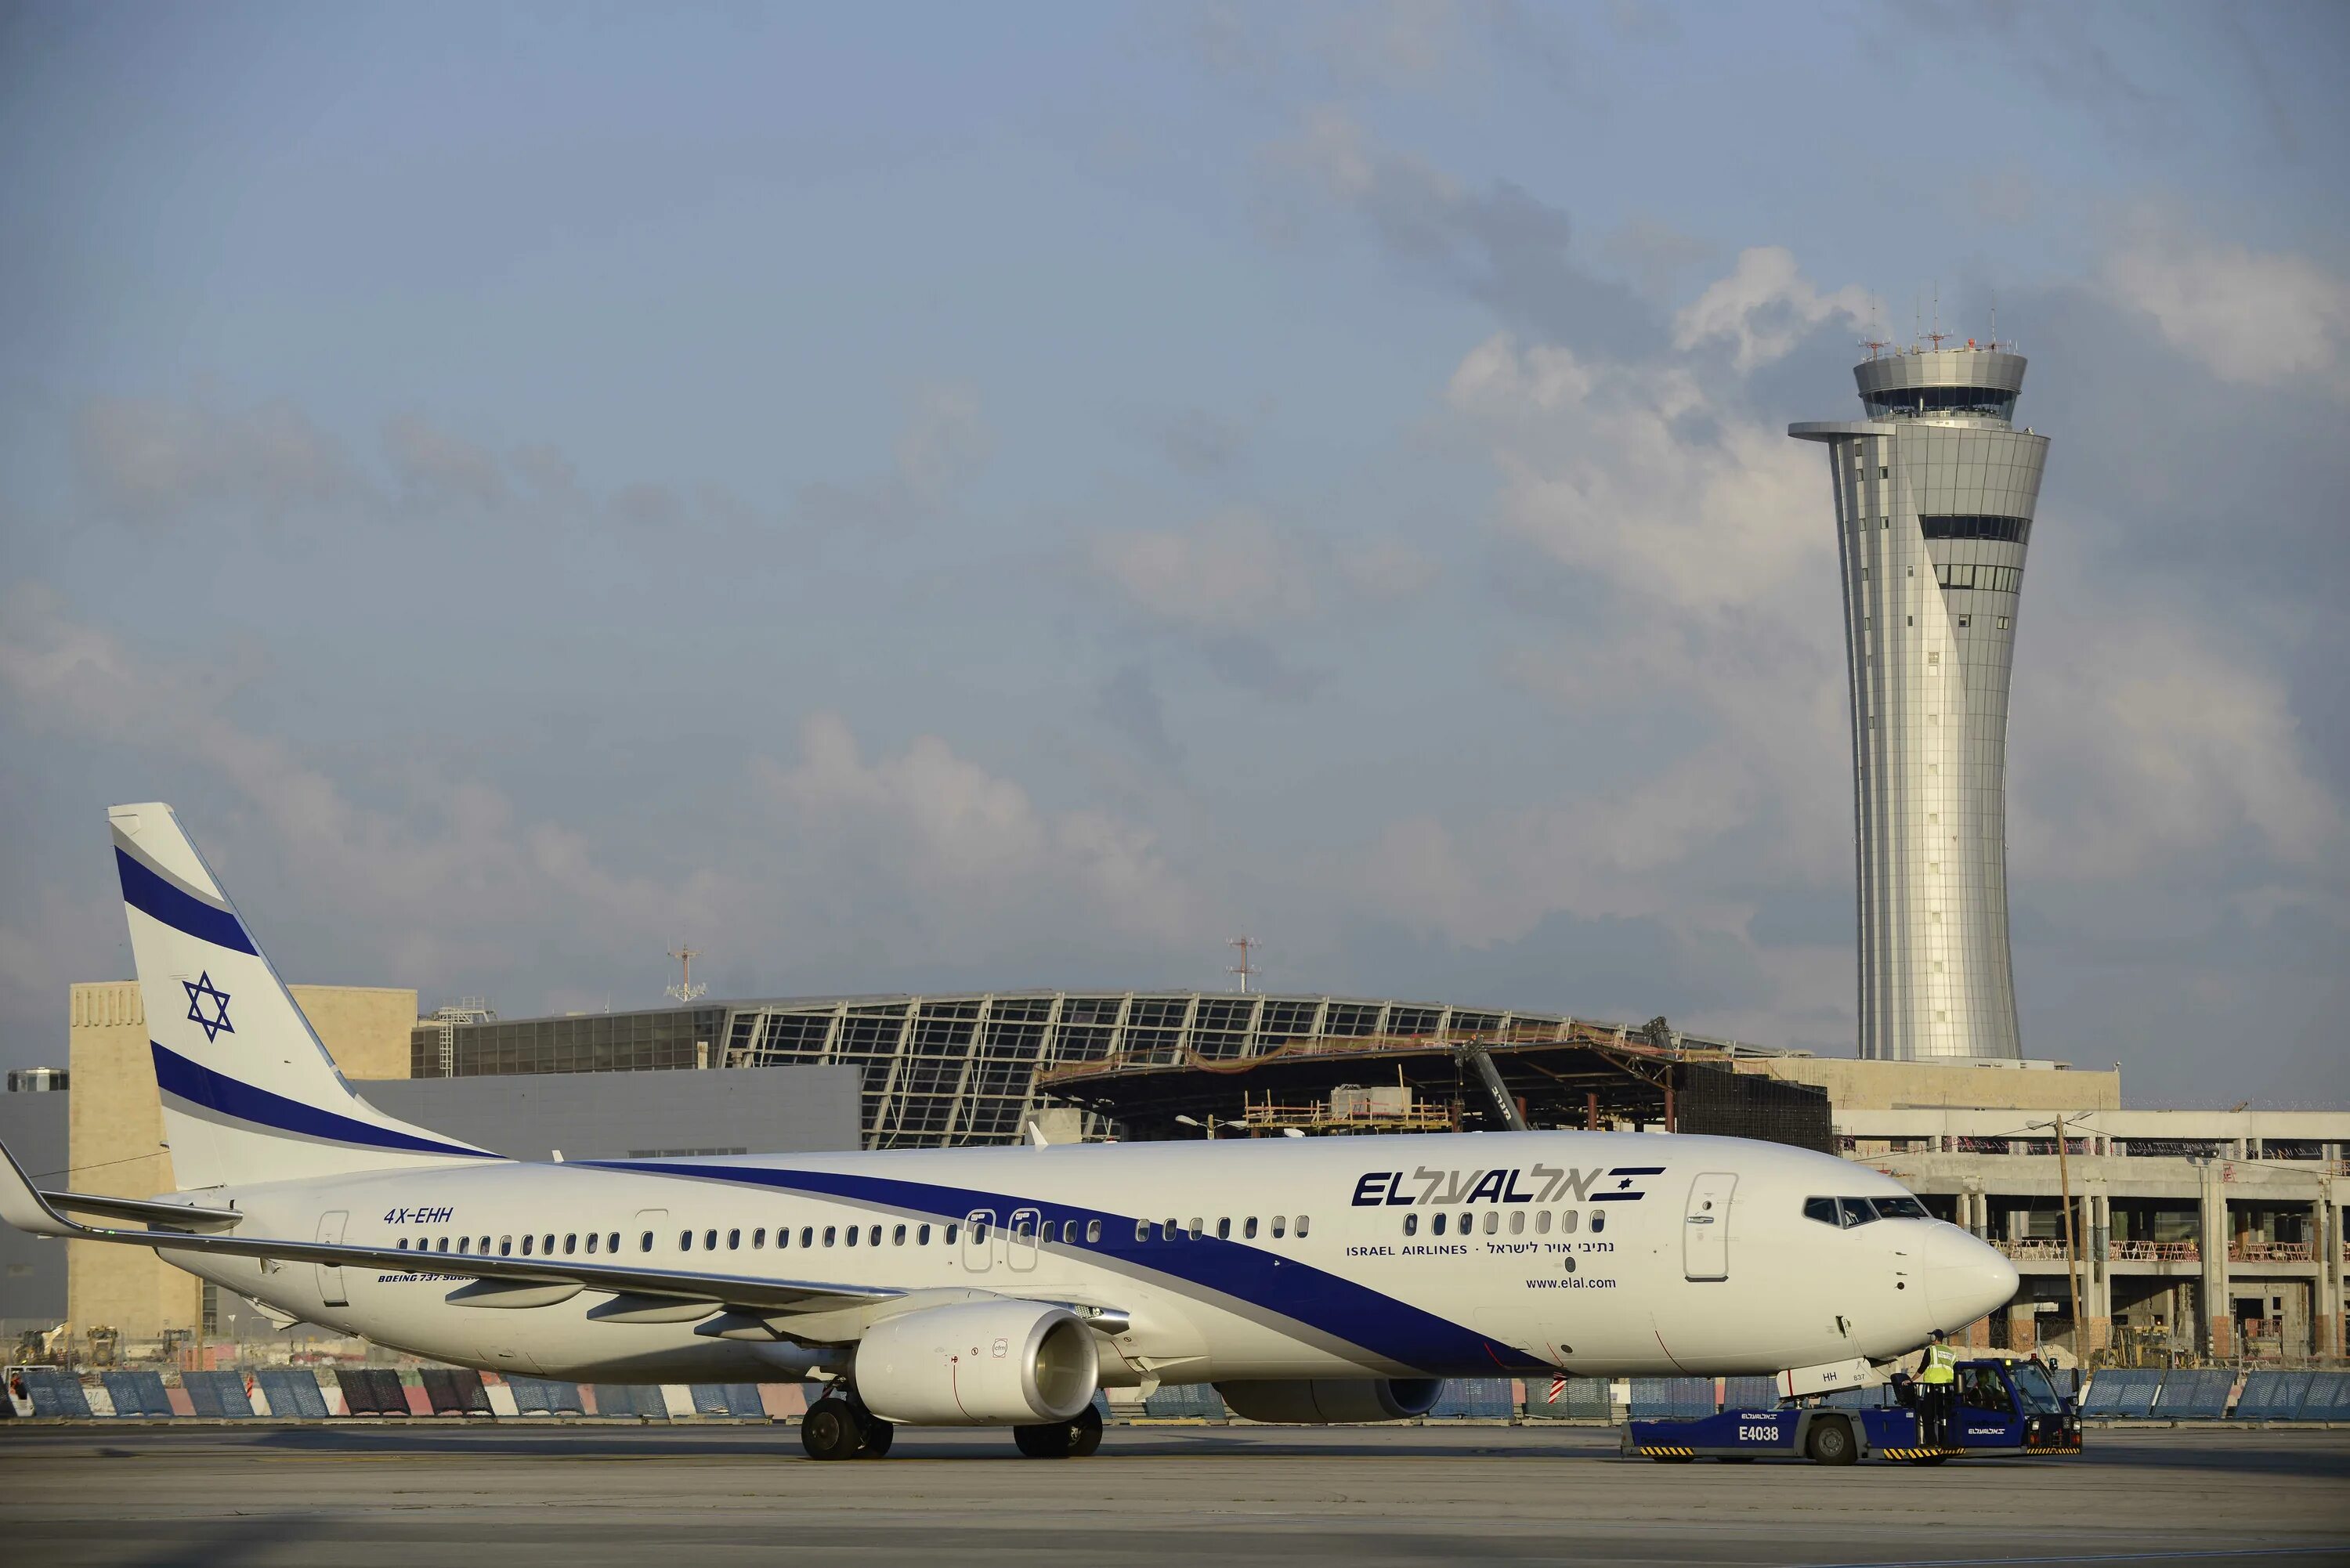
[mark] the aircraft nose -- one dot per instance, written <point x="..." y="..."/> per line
<point x="1964" y="1278"/>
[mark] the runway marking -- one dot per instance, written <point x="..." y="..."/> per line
<point x="2100" y="1557"/>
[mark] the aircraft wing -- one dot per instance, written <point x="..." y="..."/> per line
<point x="28" y="1209"/>
<point x="152" y="1210"/>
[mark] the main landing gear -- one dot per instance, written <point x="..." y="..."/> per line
<point x="839" y="1426"/>
<point x="1070" y="1440"/>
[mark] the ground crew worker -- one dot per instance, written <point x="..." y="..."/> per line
<point x="1938" y="1382"/>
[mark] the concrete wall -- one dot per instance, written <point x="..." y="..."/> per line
<point x="1854" y="1085"/>
<point x="117" y="1138"/>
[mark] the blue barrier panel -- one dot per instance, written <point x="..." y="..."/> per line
<point x="1186" y="1399"/>
<point x="55" y="1392"/>
<point x="1654" y="1398"/>
<point x="138" y="1393"/>
<point x="1750" y="1393"/>
<point x="2121" y="1391"/>
<point x="2272" y="1396"/>
<point x="631" y="1399"/>
<point x="545" y="1396"/>
<point x="455" y="1391"/>
<point x="709" y="1398"/>
<point x="217" y="1396"/>
<point x="293" y="1394"/>
<point x="742" y="1400"/>
<point x="2193" y="1394"/>
<point x="2329" y="1397"/>
<point x="1581" y="1399"/>
<point x="1475" y="1399"/>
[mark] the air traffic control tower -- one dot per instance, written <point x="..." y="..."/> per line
<point x="1934" y="494"/>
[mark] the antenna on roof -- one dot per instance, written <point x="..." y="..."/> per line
<point x="685" y="990"/>
<point x="1242" y="969"/>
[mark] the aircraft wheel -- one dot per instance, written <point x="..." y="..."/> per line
<point x="878" y="1435"/>
<point x="1831" y="1443"/>
<point x="1061" y="1439"/>
<point x="832" y="1429"/>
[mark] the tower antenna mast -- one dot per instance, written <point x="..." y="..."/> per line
<point x="1243" y="969"/>
<point x="685" y="990"/>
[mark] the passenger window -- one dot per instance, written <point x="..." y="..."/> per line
<point x="807" y="1235"/>
<point x="1517" y="1222"/>
<point x="782" y="1236"/>
<point x="952" y="1231"/>
<point x="571" y="1243"/>
<point x="875" y="1238"/>
<point x="1412" y="1224"/>
<point x="733" y="1240"/>
<point x="1303" y="1225"/>
<point x="978" y="1234"/>
<point x="1173" y="1229"/>
<point x="710" y="1240"/>
<point x="1280" y="1223"/>
<point x="1142" y="1230"/>
<point x="1436" y="1223"/>
<point x="465" y="1244"/>
<point x="1541" y="1223"/>
<point x="403" y="1245"/>
<point x="830" y="1231"/>
<point x="444" y="1244"/>
<point x="485" y="1246"/>
<point x="897" y="1237"/>
<point x="591" y="1241"/>
<point x="1093" y="1230"/>
<point x="1248" y="1230"/>
<point x="546" y="1245"/>
<point x="1493" y="1220"/>
<point x="526" y="1246"/>
<point x="1468" y="1222"/>
<point x="852" y="1235"/>
<point x="644" y="1244"/>
<point x="1567" y="1220"/>
<point x="758" y="1238"/>
<point x="1069" y="1232"/>
<point x="1598" y="1220"/>
<point x="1021" y="1226"/>
<point x="685" y="1240"/>
<point x="1823" y="1210"/>
<point x="1198" y="1227"/>
<point x="921" y="1235"/>
<point x="1224" y="1228"/>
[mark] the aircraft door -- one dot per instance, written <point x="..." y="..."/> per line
<point x="1705" y="1229"/>
<point x="330" y="1278"/>
<point x="979" y="1240"/>
<point x="1021" y="1246"/>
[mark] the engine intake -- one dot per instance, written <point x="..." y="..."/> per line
<point x="1324" y="1401"/>
<point x="978" y="1363"/>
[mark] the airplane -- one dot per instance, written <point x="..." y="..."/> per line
<point x="1309" y="1280"/>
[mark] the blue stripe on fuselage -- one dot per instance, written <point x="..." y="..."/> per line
<point x="152" y="894"/>
<point x="200" y="1085"/>
<point x="1388" y="1329"/>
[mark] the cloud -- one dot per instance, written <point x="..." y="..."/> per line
<point x="2249" y="318"/>
<point x="437" y="468"/>
<point x="155" y="461"/>
<point x="1766" y="306"/>
<point x="1128" y="704"/>
<point x="943" y="446"/>
<point x="1231" y="571"/>
<point x="1501" y="244"/>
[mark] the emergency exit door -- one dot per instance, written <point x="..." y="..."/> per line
<point x="1705" y="1226"/>
<point x="330" y="1280"/>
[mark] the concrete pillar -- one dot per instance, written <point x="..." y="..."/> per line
<point x="2212" y="1242"/>
<point x="2326" y="1231"/>
<point x="2097" y="1284"/>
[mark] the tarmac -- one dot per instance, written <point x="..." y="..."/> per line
<point x="363" y="1494"/>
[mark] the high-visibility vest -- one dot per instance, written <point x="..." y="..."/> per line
<point x="1941" y="1364"/>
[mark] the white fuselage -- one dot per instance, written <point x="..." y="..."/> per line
<point x="1455" y="1255"/>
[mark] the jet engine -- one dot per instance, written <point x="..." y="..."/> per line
<point x="1321" y="1401"/>
<point x="978" y="1363"/>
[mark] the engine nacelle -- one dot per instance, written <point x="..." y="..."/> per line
<point x="1321" y="1401"/>
<point x="978" y="1363"/>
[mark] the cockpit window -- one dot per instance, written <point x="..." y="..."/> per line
<point x="1856" y="1211"/>
<point x="1823" y="1210"/>
<point x="1900" y="1209"/>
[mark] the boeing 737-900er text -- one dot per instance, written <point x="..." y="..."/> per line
<point x="1309" y="1278"/>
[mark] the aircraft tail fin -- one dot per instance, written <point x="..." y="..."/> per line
<point x="249" y="1094"/>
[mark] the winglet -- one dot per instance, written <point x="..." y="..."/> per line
<point x="22" y="1205"/>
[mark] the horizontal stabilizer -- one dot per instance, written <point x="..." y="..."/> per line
<point x="160" y="1211"/>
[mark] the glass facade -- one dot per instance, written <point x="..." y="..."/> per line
<point x="2006" y="530"/>
<point x="1918" y="402"/>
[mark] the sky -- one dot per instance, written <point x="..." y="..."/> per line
<point x="915" y="497"/>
